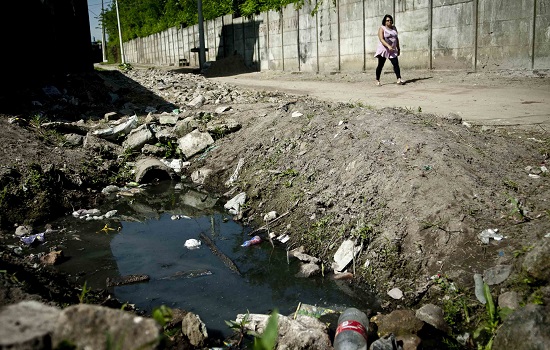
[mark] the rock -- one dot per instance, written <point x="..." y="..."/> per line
<point x="197" y="102"/>
<point x="433" y="315"/>
<point x="200" y="175"/>
<point x="91" y="327"/>
<point x="52" y="258"/>
<point x="497" y="274"/>
<point x="138" y="138"/>
<point x="526" y="328"/>
<point x="74" y="139"/>
<point x="396" y="293"/>
<point x="27" y="325"/>
<point x="398" y="322"/>
<point x="509" y="300"/>
<point x="345" y="254"/>
<point x="308" y="270"/>
<point x="194" y="142"/>
<point x="298" y="254"/>
<point x="23" y="230"/>
<point x="194" y="329"/>
<point x="302" y="333"/>
<point x="536" y="262"/>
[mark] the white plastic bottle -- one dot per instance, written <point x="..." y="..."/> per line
<point x="351" y="333"/>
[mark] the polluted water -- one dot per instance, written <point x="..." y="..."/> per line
<point x="182" y="250"/>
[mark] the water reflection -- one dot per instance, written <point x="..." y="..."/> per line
<point x="150" y="242"/>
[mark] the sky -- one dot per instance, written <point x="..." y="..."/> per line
<point x="94" y="10"/>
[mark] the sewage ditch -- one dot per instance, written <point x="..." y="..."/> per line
<point x="147" y="236"/>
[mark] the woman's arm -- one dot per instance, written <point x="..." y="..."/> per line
<point x="381" y="38"/>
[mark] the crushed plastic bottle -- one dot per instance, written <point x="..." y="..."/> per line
<point x="351" y="333"/>
<point x="254" y="240"/>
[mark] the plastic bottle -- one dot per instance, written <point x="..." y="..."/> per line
<point x="351" y="333"/>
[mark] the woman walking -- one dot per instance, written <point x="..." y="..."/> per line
<point x="388" y="48"/>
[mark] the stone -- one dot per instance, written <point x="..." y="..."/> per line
<point x="398" y="322"/>
<point x="497" y="274"/>
<point x="308" y="270"/>
<point x="91" y="326"/>
<point x="433" y="315"/>
<point x="536" y="262"/>
<point x="194" y="329"/>
<point x="27" y="325"/>
<point x="194" y="142"/>
<point x="509" y="300"/>
<point x="527" y="327"/>
<point x="395" y="293"/>
<point x="302" y="333"/>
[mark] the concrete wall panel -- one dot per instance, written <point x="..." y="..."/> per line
<point x="290" y="39"/>
<point x="453" y="36"/>
<point x="542" y="35"/>
<point x="275" y="51"/>
<point x="504" y="32"/>
<point x="413" y="26"/>
<point x="327" y="29"/>
<point x="352" y="50"/>
<point x="307" y="37"/>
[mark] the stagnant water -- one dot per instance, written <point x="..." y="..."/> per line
<point x="143" y="238"/>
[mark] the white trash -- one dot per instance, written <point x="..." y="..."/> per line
<point x="192" y="244"/>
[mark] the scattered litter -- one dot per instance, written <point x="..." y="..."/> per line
<point x="296" y="114"/>
<point x="177" y="217"/>
<point x="534" y="176"/>
<point x="270" y="216"/>
<point x="486" y="235"/>
<point x="235" y="174"/>
<point x="254" y="240"/>
<point x="283" y="238"/>
<point x="32" y="238"/>
<point x="547" y="235"/>
<point x="110" y="214"/>
<point x="192" y="244"/>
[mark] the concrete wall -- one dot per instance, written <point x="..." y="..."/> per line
<point x="342" y="36"/>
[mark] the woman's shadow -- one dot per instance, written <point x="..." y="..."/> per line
<point x="414" y="80"/>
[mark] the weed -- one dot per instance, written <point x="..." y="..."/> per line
<point x="83" y="297"/>
<point x="239" y="328"/>
<point x="37" y="120"/>
<point x="522" y="251"/>
<point x="363" y="231"/>
<point x="162" y="315"/>
<point x="125" y="67"/>
<point x="511" y="185"/>
<point x="268" y="339"/>
<point x="516" y="212"/>
<point x="486" y="331"/>
<point x="171" y="150"/>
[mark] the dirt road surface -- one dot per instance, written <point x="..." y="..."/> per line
<point x="504" y="98"/>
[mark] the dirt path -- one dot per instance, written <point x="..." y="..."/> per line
<point x="479" y="98"/>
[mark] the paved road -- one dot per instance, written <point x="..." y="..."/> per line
<point x="485" y="99"/>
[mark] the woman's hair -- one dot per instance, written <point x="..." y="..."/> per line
<point x="384" y="19"/>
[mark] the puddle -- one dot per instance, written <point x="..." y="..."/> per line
<point x="143" y="238"/>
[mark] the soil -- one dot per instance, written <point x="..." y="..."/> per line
<point x="393" y="168"/>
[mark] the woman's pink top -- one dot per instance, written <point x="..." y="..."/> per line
<point x="390" y="35"/>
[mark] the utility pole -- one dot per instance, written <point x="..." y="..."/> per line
<point x="103" y="41"/>
<point x="123" y="61"/>
<point x="202" y="52"/>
